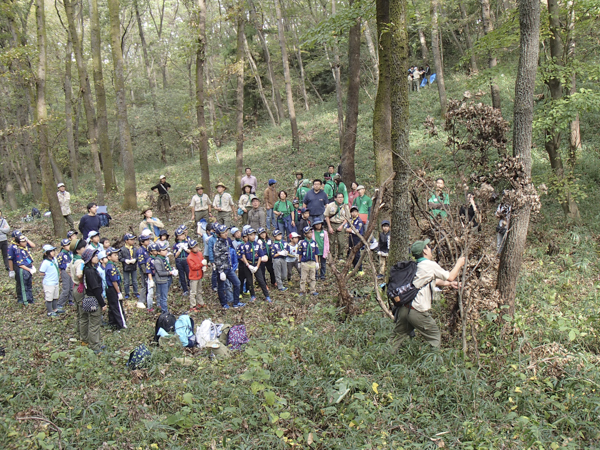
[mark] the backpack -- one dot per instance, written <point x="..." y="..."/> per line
<point x="166" y="321"/>
<point x="138" y="357"/>
<point x="401" y="284"/>
<point x="35" y="213"/>
<point x="237" y="337"/>
<point x="184" y="327"/>
<point x="104" y="220"/>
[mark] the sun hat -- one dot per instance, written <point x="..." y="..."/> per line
<point x="417" y="248"/>
<point x="88" y="254"/>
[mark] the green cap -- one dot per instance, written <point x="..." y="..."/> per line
<point x="417" y="248"/>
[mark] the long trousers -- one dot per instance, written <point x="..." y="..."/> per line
<point x="184" y="274"/>
<point x="90" y="327"/>
<point x="66" y="294"/>
<point x="130" y="279"/>
<point x="280" y="267"/>
<point x="116" y="315"/>
<point x="309" y="272"/>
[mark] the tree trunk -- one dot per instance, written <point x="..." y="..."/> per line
<point x="352" y="100"/>
<point x="488" y="27"/>
<point x="130" y="191"/>
<point x="398" y="51"/>
<point x="86" y="90"/>
<point x="300" y="66"/>
<point x="58" y="176"/>
<point x="41" y="119"/>
<point x="102" y="115"/>
<point x="437" y="56"/>
<point x="267" y="56"/>
<point x="575" y="134"/>
<point x="200" y="118"/>
<point x="150" y="76"/>
<point x="288" y="79"/>
<point x="68" y="88"/>
<point x="422" y="39"/>
<point x="261" y="90"/>
<point x="372" y="52"/>
<point x="9" y="189"/>
<point x="382" y="119"/>
<point x="512" y="253"/>
<point x="239" y="138"/>
<point x="468" y="40"/>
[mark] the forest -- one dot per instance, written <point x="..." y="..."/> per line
<point x="500" y="98"/>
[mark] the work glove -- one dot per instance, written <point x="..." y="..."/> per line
<point x="318" y="266"/>
<point x="11" y="274"/>
<point x="32" y="271"/>
<point x="80" y="288"/>
<point x="132" y="261"/>
<point x="203" y="268"/>
<point x="253" y="269"/>
<point x="184" y="247"/>
<point x="222" y="276"/>
<point x="174" y="272"/>
<point x="204" y="262"/>
<point x="120" y="296"/>
<point x="150" y="284"/>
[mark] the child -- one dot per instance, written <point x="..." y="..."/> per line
<point x="164" y="275"/>
<point x="252" y="254"/>
<point x="127" y="257"/>
<point x="210" y="247"/>
<point x="353" y="239"/>
<point x="101" y="268"/>
<point x="266" y="244"/>
<point x="181" y="251"/>
<point x="151" y="272"/>
<point x="114" y="295"/>
<point x="384" y="246"/>
<point x="105" y="243"/>
<point x="296" y="215"/>
<point x="197" y="267"/>
<point x="163" y="237"/>
<point x="51" y="273"/>
<point x="241" y="272"/>
<point x="72" y="235"/>
<point x="142" y="255"/>
<point x="308" y="255"/>
<point x="24" y="263"/>
<point x="303" y="222"/>
<point x="322" y="239"/>
<point x="63" y="259"/>
<point x="94" y="240"/>
<point x="292" y="257"/>
<point x="224" y="267"/>
<point x="279" y="262"/>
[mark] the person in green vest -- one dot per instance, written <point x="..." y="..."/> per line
<point x="364" y="204"/>
<point x="439" y="200"/>
<point x="330" y="187"/>
<point x="302" y="190"/>
<point x="341" y="187"/>
<point x="321" y="237"/>
<point x="284" y="211"/>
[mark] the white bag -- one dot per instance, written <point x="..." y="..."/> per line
<point x="203" y="333"/>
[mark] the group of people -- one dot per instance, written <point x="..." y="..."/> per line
<point x="418" y="77"/>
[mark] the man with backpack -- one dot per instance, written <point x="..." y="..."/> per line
<point x="416" y="314"/>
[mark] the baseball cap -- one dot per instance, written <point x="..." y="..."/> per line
<point x="293" y="234"/>
<point x="261" y="230"/>
<point x="102" y="254"/>
<point x="385" y="222"/>
<point x="71" y="233"/>
<point x="192" y="243"/>
<point x="48" y="248"/>
<point x="250" y="231"/>
<point x="360" y="186"/>
<point x="306" y="229"/>
<point x="16" y="234"/>
<point x="111" y="250"/>
<point x="128" y="236"/>
<point x="161" y="177"/>
<point x="276" y="233"/>
<point x="317" y="221"/>
<point x="272" y="181"/>
<point x="144" y="237"/>
<point x="354" y="208"/>
<point x="65" y="242"/>
<point x="234" y="230"/>
<point x="417" y="248"/>
<point x="303" y="210"/>
<point x="92" y="233"/>
<point x="60" y="185"/>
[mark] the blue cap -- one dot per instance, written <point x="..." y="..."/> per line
<point x="128" y="236"/>
<point x="144" y="237"/>
<point x="111" y="250"/>
<point x="385" y="222"/>
<point x="295" y="202"/>
<point x="162" y="246"/>
<point x="303" y="210"/>
<point x="192" y="243"/>
<point x="71" y="233"/>
<point x="317" y="221"/>
<point x="261" y="230"/>
<point x="163" y="233"/>
<point x="153" y="247"/>
<point x="272" y="181"/>
<point x="276" y="233"/>
<point x="65" y="242"/>
<point x="92" y="233"/>
<point x="306" y="229"/>
<point x="102" y="254"/>
<point x="234" y="230"/>
<point x="250" y="230"/>
<point x="16" y="234"/>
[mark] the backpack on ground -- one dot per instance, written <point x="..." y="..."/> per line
<point x="166" y="321"/>
<point x="400" y="289"/>
<point x="139" y="357"/>
<point x="237" y="337"/>
<point x="184" y="327"/>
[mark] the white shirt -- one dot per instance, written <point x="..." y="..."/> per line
<point x="427" y="272"/>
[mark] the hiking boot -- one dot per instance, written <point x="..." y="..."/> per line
<point x="137" y="295"/>
<point x="227" y="306"/>
<point x="239" y="305"/>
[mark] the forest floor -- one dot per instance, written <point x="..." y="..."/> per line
<point x="307" y="378"/>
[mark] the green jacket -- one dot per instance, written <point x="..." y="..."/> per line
<point x="442" y="199"/>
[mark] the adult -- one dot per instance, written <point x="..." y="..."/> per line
<point x="270" y="199"/>
<point x="340" y="187"/>
<point x="353" y="238"/>
<point x="4" y="230"/>
<point x="200" y="205"/>
<point x="223" y="203"/>
<point x="331" y="171"/>
<point x="364" y="203"/>
<point x="91" y="320"/>
<point x="257" y="216"/>
<point x="303" y="188"/>
<point x="503" y="215"/>
<point x="353" y="193"/>
<point x="250" y="179"/>
<point x="439" y="200"/>
<point x="315" y="201"/>
<point x="245" y="203"/>
<point x="64" y="199"/>
<point x="89" y="222"/>
<point x="469" y="212"/>
<point x="284" y="212"/>
<point x="336" y="216"/>
<point x="164" y="200"/>
<point x="150" y="223"/>
<point x="417" y="315"/>
<point x="330" y="187"/>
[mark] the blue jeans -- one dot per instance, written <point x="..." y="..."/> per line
<point x="233" y="279"/>
<point x="320" y="216"/>
<point x="184" y="274"/>
<point x="162" y="290"/>
<point x="130" y="279"/>
<point x="285" y="226"/>
<point x="271" y="220"/>
<point x="214" y="279"/>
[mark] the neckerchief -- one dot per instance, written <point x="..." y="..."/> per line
<point x="309" y="249"/>
<point x="167" y="263"/>
<point x="117" y="269"/>
<point x="52" y="261"/>
<point x="422" y="258"/>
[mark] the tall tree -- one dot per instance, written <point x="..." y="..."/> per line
<point x="110" y="183"/>
<point x="130" y="191"/>
<point x="41" y="118"/>
<point x="437" y="55"/>
<point x="400" y="234"/>
<point x="68" y="88"/>
<point x="239" y="135"/>
<point x="488" y="27"/>
<point x="512" y="253"/>
<point x="352" y="97"/>
<point x="465" y="21"/>
<point x="86" y="91"/>
<point x="575" y="132"/>
<point x="200" y="118"/>
<point x="382" y="119"/>
<point x="288" y="78"/>
<point x="372" y="52"/>
<point x="422" y="39"/>
<point x="261" y="90"/>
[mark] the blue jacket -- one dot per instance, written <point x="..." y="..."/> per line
<point x="210" y="245"/>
